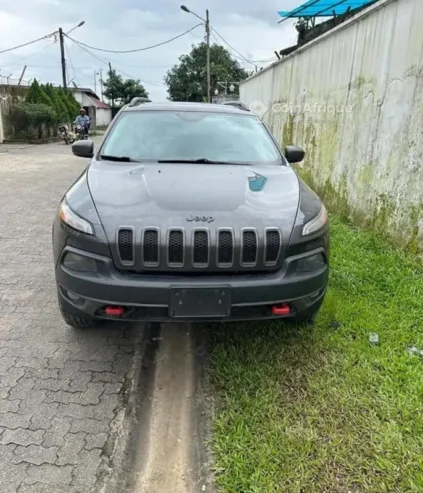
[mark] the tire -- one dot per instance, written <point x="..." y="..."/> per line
<point x="77" y="321"/>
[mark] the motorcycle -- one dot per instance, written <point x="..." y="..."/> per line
<point x="66" y="135"/>
<point x="81" y="132"/>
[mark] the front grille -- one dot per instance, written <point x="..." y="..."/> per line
<point x="151" y="246"/>
<point x="126" y="245"/>
<point x="225" y="253"/>
<point x="201" y="248"/>
<point x="273" y="246"/>
<point x="176" y="248"/>
<point x="249" y="247"/>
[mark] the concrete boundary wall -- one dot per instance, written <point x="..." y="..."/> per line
<point x="354" y="99"/>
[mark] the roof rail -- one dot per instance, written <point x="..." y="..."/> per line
<point x="139" y="100"/>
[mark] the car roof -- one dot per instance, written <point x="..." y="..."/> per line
<point x="187" y="106"/>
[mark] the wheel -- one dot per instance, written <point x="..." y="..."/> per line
<point x="77" y="321"/>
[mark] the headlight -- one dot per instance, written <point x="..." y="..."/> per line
<point x="71" y="219"/>
<point x="316" y="223"/>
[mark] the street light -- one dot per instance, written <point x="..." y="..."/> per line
<point x="79" y="25"/>
<point x="207" y="26"/>
<point x="62" y="51"/>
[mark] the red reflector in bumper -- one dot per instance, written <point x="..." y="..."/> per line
<point x="114" y="311"/>
<point x="282" y="309"/>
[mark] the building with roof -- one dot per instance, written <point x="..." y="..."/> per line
<point x="99" y="112"/>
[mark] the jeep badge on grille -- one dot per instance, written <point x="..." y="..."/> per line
<point x="202" y="219"/>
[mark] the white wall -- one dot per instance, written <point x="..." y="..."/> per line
<point x="78" y="96"/>
<point x="103" y="117"/>
<point x="366" y="161"/>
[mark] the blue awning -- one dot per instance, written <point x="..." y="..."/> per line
<point x="325" y="8"/>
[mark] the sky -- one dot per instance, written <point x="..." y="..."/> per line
<point x="250" y="27"/>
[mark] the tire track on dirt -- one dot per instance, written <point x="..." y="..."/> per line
<point x="167" y="448"/>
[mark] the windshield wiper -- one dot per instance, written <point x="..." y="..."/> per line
<point x="202" y="160"/>
<point x="122" y="159"/>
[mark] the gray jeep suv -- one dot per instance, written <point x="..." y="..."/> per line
<point x="189" y="212"/>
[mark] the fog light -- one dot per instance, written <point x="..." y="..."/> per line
<point x="311" y="263"/>
<point x="79" y="263"/>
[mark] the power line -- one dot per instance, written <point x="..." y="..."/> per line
<point x="102" y="60"/>
<point x="71" y="64"/>
<point x="233" y="49"/>
<point x="237" y="56"/>
<point x="29" y="42"/>
<point x="137" y="49"/>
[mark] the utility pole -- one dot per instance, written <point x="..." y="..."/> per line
<point x="207" y="26"/>
<point x="62" y="51"/>
<point x="101" y="84"/>
<point x="110" y="78"/>
<point x="208" y="56"/>
<point x="95" y="81"/>
<point x="62" y="57"/>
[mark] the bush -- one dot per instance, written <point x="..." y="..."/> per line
<point x="30" y="120"/>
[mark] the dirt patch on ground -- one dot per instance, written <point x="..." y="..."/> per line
<point x="167" y="449"/>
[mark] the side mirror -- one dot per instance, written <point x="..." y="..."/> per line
<point x="294" y="154"/>
<point x="83" y="148"/>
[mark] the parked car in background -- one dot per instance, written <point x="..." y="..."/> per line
<point x="189" y="212"/>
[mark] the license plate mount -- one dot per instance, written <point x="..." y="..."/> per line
<point x="200" y="302"/>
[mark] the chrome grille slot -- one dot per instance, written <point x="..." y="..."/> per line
<point x="201" y="248"/>
<point x="249" y="248"/>
<point x="273" y="246"/>
<point x="126" y="245"/>
<point x="150" y="247"/>
<point x="175" y="248"/>
<point x="225" y="249"/>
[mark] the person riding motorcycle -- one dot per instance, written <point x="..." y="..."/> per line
<point x="83" y="119"/>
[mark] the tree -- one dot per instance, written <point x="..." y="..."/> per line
<point x="73" y="101"/>
<point x="122" y="91"/>
<point x="61" y="110"/>
<point x="187" y="81"/>
<point x="70" y="108"/>
<point x="36" y="95"/>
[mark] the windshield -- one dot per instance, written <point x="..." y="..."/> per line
<point x="191" y="136"/>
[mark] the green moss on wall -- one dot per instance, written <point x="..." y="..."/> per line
<point x="366" y="174"/>
<point x="288" y="130"/>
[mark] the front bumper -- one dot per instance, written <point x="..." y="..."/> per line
<point x="149" y="297"/>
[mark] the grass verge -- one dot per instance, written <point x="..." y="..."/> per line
<point x="320" y="409"/>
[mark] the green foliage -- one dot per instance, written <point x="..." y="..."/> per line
<point x="37" y="95"/>
<point x="187" y="81"/>
<point x="64" y="98"/>
<point x="74" y="103"/>
<point x="62" y="114"/>
<point x="122" y="91"/>
<point x="30" y="119"/>
<point x="63" y="105"/>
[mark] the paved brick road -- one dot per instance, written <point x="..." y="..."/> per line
<point x="60" y="389"/>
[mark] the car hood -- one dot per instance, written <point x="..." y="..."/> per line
<point x="180" y="195"/>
